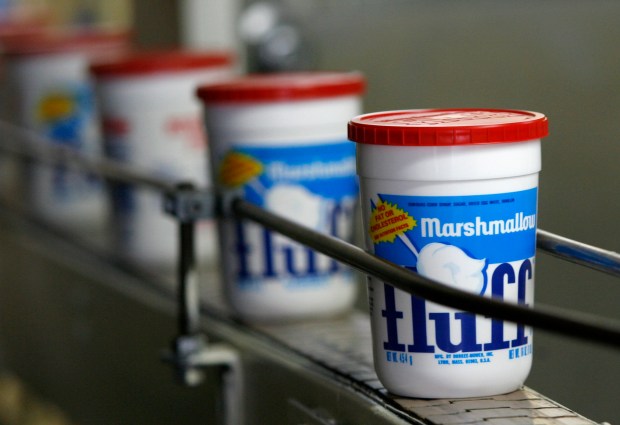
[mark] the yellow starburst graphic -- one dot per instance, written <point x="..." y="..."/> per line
<point x="238" y="169"/>
<point x="388" y="221"/>
<point x="55" y="106"/>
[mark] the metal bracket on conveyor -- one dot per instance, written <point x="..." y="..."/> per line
<point x="191" y="353"/>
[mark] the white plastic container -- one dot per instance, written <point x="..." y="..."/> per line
<point x="279" y="141"/>
<point x="152" y="120"/>
<point x="11" y="32"/>
<point x="50" y="92"/>
<point x="451" y="194"/>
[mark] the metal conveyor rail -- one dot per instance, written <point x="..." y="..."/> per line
<point x="189" y="204"/>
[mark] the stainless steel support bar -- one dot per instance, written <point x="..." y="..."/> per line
<point x="27" y="145"/>
<point x="187" y="276"/>
<point x="568" y="323"/>
<point x="579" y="253"/>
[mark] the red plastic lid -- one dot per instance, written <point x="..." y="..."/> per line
<point x="60" y="41"/>
<point x="14" y="30"/>
<point x="447" y="127"/>
<point x="284" y="87"/>
<point x="150" y="62"/>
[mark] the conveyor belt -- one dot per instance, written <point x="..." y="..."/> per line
<point x="344" y="346"/>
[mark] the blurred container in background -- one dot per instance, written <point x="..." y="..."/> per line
<point x="152" y="120"/>
<point x="279" y="141"/>
<point x="50" y="92"/>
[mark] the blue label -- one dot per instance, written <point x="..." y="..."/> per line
<point x="315" y="186"/>
<point x="327" y="171"/>
<point x="499" y="228"/>
<point x="64" y="115"/>
<point x="483" y="244"/>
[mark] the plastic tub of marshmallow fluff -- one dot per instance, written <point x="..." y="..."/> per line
<point x="451" y="194"/>
<point x="279" y="141"/>
<point x="152" y="120"/>
<point x="50" y="92"/>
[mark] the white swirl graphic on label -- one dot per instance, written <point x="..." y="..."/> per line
<point x="448" y="264"/>
<point x="297" y="204"/>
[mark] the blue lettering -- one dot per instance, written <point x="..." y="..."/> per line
<point x="420" y="337"/>
<point x="468" y="332"/>
<point x="280" y="257"/>
<point x="289" y="254"/>
<point x="268" y="250"/>
<point x="501" y="273"/>
<point x="340" y="214"/>
<point x="391" y="316"/>
<point x="525" y="273"/>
